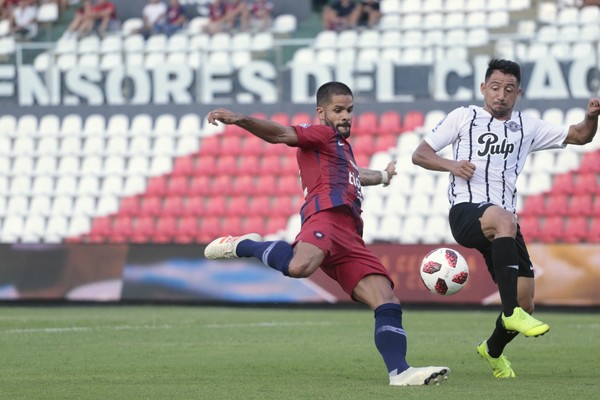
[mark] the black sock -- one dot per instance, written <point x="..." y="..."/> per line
<point x="499" y="339"/>
<point x="505" y="258"/>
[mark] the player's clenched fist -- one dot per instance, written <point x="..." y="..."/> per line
<point x="464" y="169"/>
<point x="594" y="107"/>
<point x="223" y="115"/>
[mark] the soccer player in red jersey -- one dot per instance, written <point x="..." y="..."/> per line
<point x="331" y="234"/>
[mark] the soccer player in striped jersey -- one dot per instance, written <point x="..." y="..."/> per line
<point x="331" y="234"/>
<point x="490" y="145"/>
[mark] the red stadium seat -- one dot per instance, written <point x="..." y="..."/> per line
<point x="281" y="118"/>
<point x="254" y="223"/>
<point x="366" y="123"/>
<point x="248" y="164"/>
<point x="556" y="205"/>
<point x="231" y="145"/>
<point x="223" y="184"/>
<point x="194" y="206"/>
<point x="581" y="205"/>
<point x="233" y="226"/>
<point x="530" y="228"/>
<point x="227" y="164"/>
<point x="275" y="224"/>
<point x="563" y="183"/>
<point x="144" y="229"/>
<point x="157" y="186"/>
<point x="593" y="235"/>
<point x="389" y="122"/>
<point x="129" y="206"/>
<point x="363" y="145"/>
<point x="586" y="183"/>
<point x="590" y="162"/>
<point x="266" y="184"/>
<point x="289" y="184"/>
<point x="234" y="130"/>
<point x="385" y="142"/>
<point x="165" y="230"/>
<point x="552" y="229"/>
<point x="177" y="186"/>
<point x="172" y="206"/>
<point x="285" y="206"/>
<point x="413" y="120"/>
<point x="216" y="205"/>
<point x="576" y="229"/>
<point x="211" y="145"/>
<point x="210" y="228"/>
<point x="271" y="164"/>
<point x="237" y="206"/>
<point x="534" y="205"/>
<point x="260" y="205"/>
<point x="289" y="165"/>
<point x="206" y="165"/>
<point x="101" y="229"/>
<point x="244" y="184"/>
<point x="301" y="118"/>
<point x="188" y="230"/>
<point x="151" y="206"/>
<point x="200" y="185"/>
<point x="255" y="146"/>
<point x="184" y="166"/>
<point x="122" y="230"/>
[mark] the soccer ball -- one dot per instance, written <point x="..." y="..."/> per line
<point x="444" y="271"/>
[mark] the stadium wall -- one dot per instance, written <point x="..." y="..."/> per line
<point x="566" y="276"/>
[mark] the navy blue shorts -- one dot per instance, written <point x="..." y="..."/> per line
<point x="466" y="229"/>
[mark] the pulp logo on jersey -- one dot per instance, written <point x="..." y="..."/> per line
<point x="490" y="140"/>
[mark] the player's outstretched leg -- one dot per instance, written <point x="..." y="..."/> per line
<point x="420" y="376"/>
<point x="224" y="247"/>
<point x="522" y="322"/>
<point x="500" y="366"/>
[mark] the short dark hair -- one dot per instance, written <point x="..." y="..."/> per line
<point x="505" y="66"/>
<point x="330" y="89"/>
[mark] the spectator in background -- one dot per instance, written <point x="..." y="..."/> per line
<point x="341" y="14"/>
<point x="261" y="15"/>
<point x="176" y="18"/>
<point x="153" y="15"/>
<point x="369" y="13"/>
<point x="82" y="22"/>
<point x="24" y="19"/>
<point x="586" y="3"/>
<point x="104" y="16"/>
<point x="238" y="14"/>
<point x="217" y="11"/>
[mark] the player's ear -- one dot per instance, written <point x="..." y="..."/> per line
<point x="482" y="88"/>
<point x="320" y="113"/>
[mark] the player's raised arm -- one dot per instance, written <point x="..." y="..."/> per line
<point x="268" y="131"/>
<point x="370" y="177"/>
<point x="585" y="131"/>
<point x="424" y="156"/>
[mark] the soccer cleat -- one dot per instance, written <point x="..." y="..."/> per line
<point x="420" y="376"/>
<point x="224" y="247"/>
<point x="500" y="366"/>
<point x="520" y="321"/>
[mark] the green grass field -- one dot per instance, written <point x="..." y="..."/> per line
<point x="184" y="352"/>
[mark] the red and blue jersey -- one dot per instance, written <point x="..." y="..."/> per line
<point x="328" y="170"/>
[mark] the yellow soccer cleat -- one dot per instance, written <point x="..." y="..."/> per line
<point x="500" y="366"/>
<point x="520" y="321"/>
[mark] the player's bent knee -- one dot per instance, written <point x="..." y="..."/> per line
<point x="301" y="269"/>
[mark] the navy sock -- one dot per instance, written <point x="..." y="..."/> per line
<point x="505" y="258"/>
<point x="499" y="339"/>
<point x="276" y="255"/>
<point x="390" y="338"/>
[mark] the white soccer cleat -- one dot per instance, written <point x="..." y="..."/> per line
<point x="224" y="247"/>
<point x="421" y="376"/>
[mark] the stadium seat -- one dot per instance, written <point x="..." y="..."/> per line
<point x="210" y="228"/>
<point x="114" y="165"/>
<point x="216" y="205"/>
<point x="78" y="225"/>
<point x="184" y="166"/>
<point x="187" y="231"/>
<point x="580" y="206"/>
<point x="117" y="125"/>
<point x="56" y="229"/>
<point x="156" y="186"/>
<point x="165" y="229"/>
<point x="563" y="183"/>
<point x="284" y="24"/>
<point x="108" y="203"/>
<point x="133" y="185"/>
<point x="143" y="231"/>
<point x="243" y="185"/>
<point x="66" y="185"/>
<point x="12" y="229"/>
<point x="552" y="229"/>
<point x="40" y="205"/>
<point x="62" y="205"/>
<point x="556" y="205"/>
<point x="151" y="206"/>
<point x="593" y="235"/>
<point x="160" y="164"/>
<point x="122" y="230"/>
<point x="530" y="227"/>
<point x="200" y="185"/>
<point x="586" y="183"/>
<point x="130" y="206"/>
<point x="238" y="205"/>
<point x="413" y="120"/>
<point x="42" y="185"/>
<point x="535" y="205"/>
<point x="84" y="205"/>
<point x="194" y="206"/>
<point x="576" y="229"/>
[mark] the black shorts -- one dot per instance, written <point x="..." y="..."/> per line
<point x="466" y="229"/>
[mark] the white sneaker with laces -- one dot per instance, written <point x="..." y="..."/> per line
<point x="420" y="376"/>
<point x="224" y="247"/>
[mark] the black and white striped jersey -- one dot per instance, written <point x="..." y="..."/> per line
<point x="497" y="148"/>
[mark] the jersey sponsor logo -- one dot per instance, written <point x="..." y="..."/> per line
<point x="491" y="146"/>
<point x="305" y="125"/>
<point x="512" y="125"/>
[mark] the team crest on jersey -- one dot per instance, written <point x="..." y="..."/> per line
<point x="305" y="125"/>
<point x="318" y="234"/>
<point x="512" y="125"/>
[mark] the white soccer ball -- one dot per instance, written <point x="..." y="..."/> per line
<point x="444" y="271"/>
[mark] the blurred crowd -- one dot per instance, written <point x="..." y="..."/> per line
<point x="239" y="15"/>
<point x="349" y="14"/>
